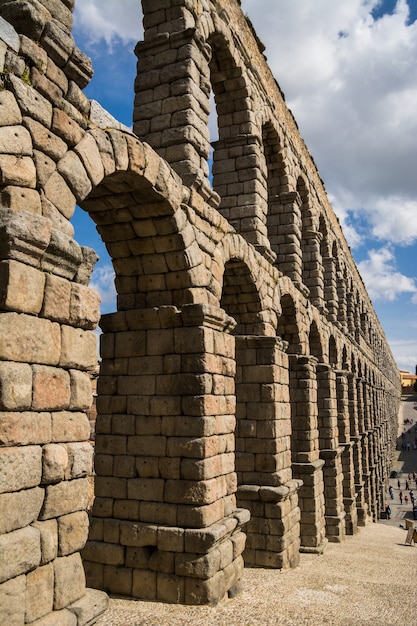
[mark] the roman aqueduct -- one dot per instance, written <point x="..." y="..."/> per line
<point x="247" y="398"/>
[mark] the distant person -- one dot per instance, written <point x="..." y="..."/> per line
<point x="407" y="485"/>
<point x="399" y="484"/>
<point x="401" y="497"/>
<point x="388" y="511"/>
<point x="406" y="499"/>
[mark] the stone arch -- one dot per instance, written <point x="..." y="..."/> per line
<point x="315" y="342"/>
<point x="239" y="144"/>
<point x="312" y="263"/>
<point x="135" y="202"/>
<point x="278" y="199"/>
<point x="288" y="327"/>
<point x="240" y="298"/>
<point x="333" y="351"/>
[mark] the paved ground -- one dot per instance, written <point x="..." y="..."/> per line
<point x="368" y="580"/>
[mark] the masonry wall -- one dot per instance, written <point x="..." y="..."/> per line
<point x="247" y="399"/>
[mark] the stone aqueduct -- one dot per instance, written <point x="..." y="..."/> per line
<point x="247" y="398"/>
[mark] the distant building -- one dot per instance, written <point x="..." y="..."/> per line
<point x="407" y="381"/>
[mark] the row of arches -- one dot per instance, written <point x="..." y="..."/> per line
<point x="263" y="179"/>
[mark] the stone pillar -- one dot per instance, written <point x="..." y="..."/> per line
<point x="342" y="306"/>
<point x="236" y="162"/>
<point x="172" y="93"/>
<point x="284" y="231"/>
<point x="47" y="351"/>
<point x="330" y="452"/>
<point x="344" y="421"/>
<point x="330" y="289"/>
<point x="350" y="311"/>
<point x="307" y="466"/>
<point x="354" y="457"/>
<point x="165" y="524"/>
<point x="263" y="459"/>
<point x="312" y="267"/>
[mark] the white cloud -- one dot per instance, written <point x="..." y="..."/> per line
<point x="405" y="354"/>
<point x="383" y="281"/>
<point x="354" y="97"/>
<point x="102" y="280"/>
<point x="109" y="20"/>
<point x="393" y="219"/>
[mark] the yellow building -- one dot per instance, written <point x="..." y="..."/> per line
<point x="407" y="381"/>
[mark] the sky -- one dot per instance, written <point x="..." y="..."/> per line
<point x="349" y="74"/>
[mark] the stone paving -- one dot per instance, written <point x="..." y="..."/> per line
<point x="405" y="463"/>
<point x="366" y="580"/>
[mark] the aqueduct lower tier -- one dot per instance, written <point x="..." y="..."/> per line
<point x="247" y="398"/>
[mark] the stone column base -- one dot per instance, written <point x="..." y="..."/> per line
<point x="273" y="533"/>
<point x="351" y="520"/>
<point x="311" y="495"/>
<point x="89" y="608"/>
<point x="167" y="564"/>
<point x="335" y="527"/>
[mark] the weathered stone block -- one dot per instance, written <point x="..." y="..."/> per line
<point x="107" y="553"/>
<point x="12" y="601"/>
<point x="144" y="584"/>
<point x="150" y="489"/>
<point x="72" y="532"/>
<point x="39" y="592"/>
<point x="21" y="199"/>
<point x="137" y="534"/>
<point x="29" y="339"/>
<point x="17" y="170"/>
<point x="30" y="50"/>
<point x="57" y="42"/>
<point x="72" y="169"/>
<point x="70" y="426"/>
<point x="79" y="348"/>
<point x="20" y="508"/>
<point x="69" y="580"/>
<point x="15" y="387"/>
<point x="170" y="588"/>
<point x="92" y="604"/>
<point x="24" y="428"/>
<point x="80" y="459"/>
<point x="45" y="86"/>
<point x="23" y="236"/>
<point x="51" y="388"/>
<point x="49" y="539"/>
<point x="66" y="128"/>
<point x="20" y="468"/>
<point x="57" y="191"/>
<point x="10" y="112"/>
<point x="23" y="550"/>
<point x="89" y="154"/>
<point x="118" y="579"/>
<point x="54" y="463"/>
<point x="84" y="307"/>
<point x="45" y="140"/>
<point x="56" y="304"/>
<point x="31" y="102"/>
<point x="15" y="140"/>
<point x="138" y="558"/>
<point x="62" y="256"/>
<point x="65" y="497"/>
<point x="204" y="567"/>
<point x="81" y="391"/>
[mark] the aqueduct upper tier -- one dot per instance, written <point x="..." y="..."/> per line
<point x="247" y="398"/>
